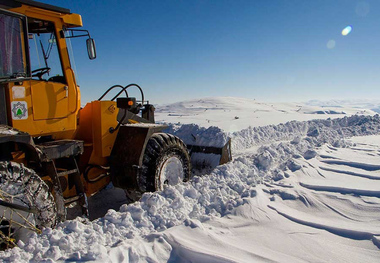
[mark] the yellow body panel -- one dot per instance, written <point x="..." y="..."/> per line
<point x="50" y="100"/>
<point x="47" y="112"/>
<point x="72" y="20"/>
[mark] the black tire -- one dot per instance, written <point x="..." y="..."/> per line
<point x="20" y="185"/>
<point x="166" y="161"/>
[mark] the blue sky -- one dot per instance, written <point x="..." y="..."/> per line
<point x="267" y="50"/>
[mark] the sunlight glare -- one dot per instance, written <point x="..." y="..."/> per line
<point x="347" y="30"/>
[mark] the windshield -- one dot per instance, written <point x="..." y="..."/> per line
<point x="44" y="56"/>
<point x="12" y="56"/>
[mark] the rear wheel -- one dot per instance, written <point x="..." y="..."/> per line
<point x="166" y="162"/>
<point x="26" y="204"/>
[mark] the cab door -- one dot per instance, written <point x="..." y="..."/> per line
<point x="49" y="100"/>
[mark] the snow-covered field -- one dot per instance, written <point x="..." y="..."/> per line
<point x="305" y="190"/>
<point x="234" y="114"/>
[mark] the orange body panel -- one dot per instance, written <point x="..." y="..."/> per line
<point x="95" y="121"/>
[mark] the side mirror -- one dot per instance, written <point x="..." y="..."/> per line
<point x="91" y="49"/>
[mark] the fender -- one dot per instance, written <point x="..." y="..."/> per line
<point x="10" y="136"/>
<point x="128" y="152"/>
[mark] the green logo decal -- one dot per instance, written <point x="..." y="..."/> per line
<point x="19" y="110"/>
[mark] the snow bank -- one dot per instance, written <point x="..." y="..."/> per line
<point x="319" y="131"/>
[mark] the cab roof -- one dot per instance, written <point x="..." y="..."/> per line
<point x="8" y="4"/>
<point x="38" y="10"/>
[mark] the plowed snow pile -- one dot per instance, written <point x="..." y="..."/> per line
<point x="303" y="191"/>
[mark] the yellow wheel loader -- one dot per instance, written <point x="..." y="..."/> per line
<point x="53" y="153"/>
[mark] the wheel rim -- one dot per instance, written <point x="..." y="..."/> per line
<point x="171" y="172"/>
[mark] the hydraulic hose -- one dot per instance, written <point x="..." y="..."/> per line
<point x="130" y="85"/>
<point x="114" y="86"/>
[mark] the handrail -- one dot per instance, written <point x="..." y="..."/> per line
<point x="76" y="90"/>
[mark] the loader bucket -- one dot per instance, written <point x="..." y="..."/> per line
<point x="208" y="147"/>
<point x="208" y="157"/>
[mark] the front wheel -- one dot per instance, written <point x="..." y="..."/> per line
<point x="166" y="162"/>
<point x="26" y="204"/>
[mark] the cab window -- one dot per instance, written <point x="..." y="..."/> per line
<point x="12" y="55"/>
<point x="44" y="56"/>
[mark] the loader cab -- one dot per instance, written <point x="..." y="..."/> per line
<point x="40" y="92"/>
<point x="46" y="62"/>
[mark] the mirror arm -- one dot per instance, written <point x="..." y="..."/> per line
<point x="91" y="50"/>
<point x="71" y="31"/>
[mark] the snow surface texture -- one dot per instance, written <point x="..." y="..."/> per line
<point x="295" y="192"/>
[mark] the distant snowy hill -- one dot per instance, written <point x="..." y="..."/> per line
<point x="233" y="114"/>
<point x="373" y="105"/>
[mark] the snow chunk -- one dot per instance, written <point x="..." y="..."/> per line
<point x="193" y="134"/>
